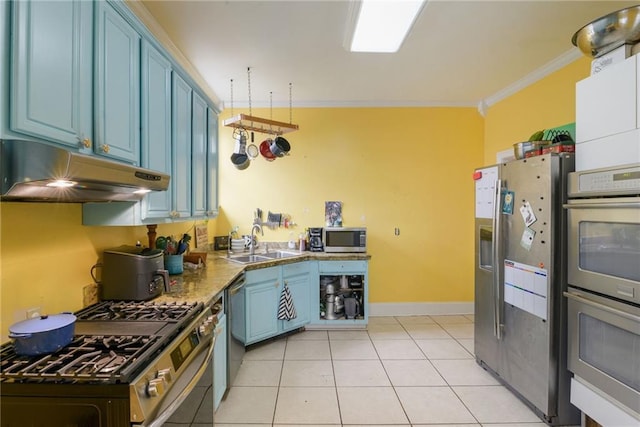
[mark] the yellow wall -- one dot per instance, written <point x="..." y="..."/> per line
<point x="548" y="103"/>
<point x="46" y="256"/>
<point x="391" y="167"/>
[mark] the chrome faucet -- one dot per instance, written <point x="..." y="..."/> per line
<point x="252" y="246"/>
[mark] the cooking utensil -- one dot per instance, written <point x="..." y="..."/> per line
<point x="609" y="32"/>
<point x="265" y="150"/>
<point x="241" y="143"/>
<point x="240" y="161"/>
<point x="42" y="335"/>
<point x="252" y="151"/>
<point x="279" y="146"/>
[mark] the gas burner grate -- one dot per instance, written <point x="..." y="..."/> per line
<point x="133" y="310"/>
<point x="95" y="358"/>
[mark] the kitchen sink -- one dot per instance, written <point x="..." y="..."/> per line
<point x="248" y="259"/>
<point x="279" y="254"/>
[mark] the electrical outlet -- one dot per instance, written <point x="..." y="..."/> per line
<point x="89" y="295"/>
<point x="33" y="312"/>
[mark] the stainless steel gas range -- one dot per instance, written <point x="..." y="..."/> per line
<point x="129" y="364"/>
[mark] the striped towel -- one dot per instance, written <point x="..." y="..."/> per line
<point x="286" y="310"/>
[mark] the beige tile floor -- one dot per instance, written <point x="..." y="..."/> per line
<point x="416" y="370"/>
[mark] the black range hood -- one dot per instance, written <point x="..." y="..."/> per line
<point x="32" y="171"/>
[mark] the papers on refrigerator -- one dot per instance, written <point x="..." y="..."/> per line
<point x="525" y="287"/>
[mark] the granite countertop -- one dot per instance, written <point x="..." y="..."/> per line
<point x="205" y="283"/>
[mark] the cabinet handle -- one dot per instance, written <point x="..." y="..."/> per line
<point x="275" y="285"/>
<point x="105" y="148"/>
<point x="86" y="143"/>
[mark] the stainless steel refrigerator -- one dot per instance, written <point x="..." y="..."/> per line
<point x="520" y="274"/>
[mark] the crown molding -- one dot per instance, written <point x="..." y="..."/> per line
<point x="550" y="67"/>
<point x="348" y="104"/>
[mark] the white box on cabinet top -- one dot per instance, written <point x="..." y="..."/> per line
<point x="608" y="117"/>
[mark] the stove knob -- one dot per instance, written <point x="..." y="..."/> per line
<point x="165" y="374"/>
<point x="155" y="387"/>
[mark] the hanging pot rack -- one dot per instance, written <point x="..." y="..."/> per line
<point x="253" y="123"/>
<point x="258" y="124"/>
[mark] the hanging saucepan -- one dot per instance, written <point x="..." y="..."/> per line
<point x="265" y="150"/>
<point x="240" y="161"/>
<point x="42" y="335"/>
<point x="280" y="146"/>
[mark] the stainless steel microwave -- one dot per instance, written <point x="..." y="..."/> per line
<point x="344" y="239"/>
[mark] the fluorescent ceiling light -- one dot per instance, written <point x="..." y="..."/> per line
<point x="382" y="25"/>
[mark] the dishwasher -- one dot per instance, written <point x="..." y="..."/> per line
<point x="236" y="317"/>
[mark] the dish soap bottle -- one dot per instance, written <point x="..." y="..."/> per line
<point x="292" y="243"/>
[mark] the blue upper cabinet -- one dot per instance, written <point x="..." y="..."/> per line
<point x="155" y="147"/>
<point x="199" y="156"/>
<point x="51" y="71"/>
<point x="181" y="148"/>
<point x="117" y="96"/>
<point x="212" y="163"/>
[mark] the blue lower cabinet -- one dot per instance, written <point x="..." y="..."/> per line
<point x="263" y="293"/>
<point x="355" y="273"/>
<point x="299" y="286"/>
<point x="220" y="361"/>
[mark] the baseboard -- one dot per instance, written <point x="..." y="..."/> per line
<point x="419" y="308"/>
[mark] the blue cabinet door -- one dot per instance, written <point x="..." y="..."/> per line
<point x="117" y="101"/>
<point x="300" y="289"/>
<point x="198" y="156"/>
<point x="51" y="71"/>
<point x="155" y="148"/>
<point x="212" y="163"/>
<point x="181" y="148"/>
<point x="262" y="291"/>
<point x="297" y="277"/>
<point x="220" y="361"/>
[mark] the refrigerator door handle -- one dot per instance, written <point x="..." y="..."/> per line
<point x="497" y="315"/>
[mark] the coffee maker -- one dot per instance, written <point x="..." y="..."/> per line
<point x="315" y="240"/>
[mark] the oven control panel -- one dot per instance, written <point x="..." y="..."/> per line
<point x="604" y="182"/>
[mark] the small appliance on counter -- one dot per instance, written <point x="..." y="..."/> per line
<point x="315" y="239"/>
<point x="133" y="273"/>
<point x="344" y="239"/>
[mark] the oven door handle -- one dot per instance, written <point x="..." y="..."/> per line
<point x="602" y="205"/>
<point x="583" y="300"/>
<point x="164" y="416"/>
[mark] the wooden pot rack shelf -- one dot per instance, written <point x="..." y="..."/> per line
<point x="258" y="124"/>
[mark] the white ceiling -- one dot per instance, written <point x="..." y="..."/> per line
<point x="459" y="53"/>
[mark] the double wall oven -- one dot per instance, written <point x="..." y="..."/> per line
<point x="130" y="364"/>
<point x="604" y="293"/>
